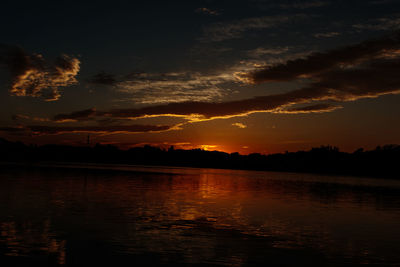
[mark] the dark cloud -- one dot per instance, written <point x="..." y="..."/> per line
<point x="32" y="76"/>
<point x="74" y="116"/>
<point x="304" y="4"/>
<point x="12" y="129"/>
<point x="207" y="11"/>
<point x="38" y="129"/>
<point x="322" y="62"/>
<point x="45" y="130"/>
<point x="317" y="108"/>
<point x="103" y="78"/>
<point x="222" y="31"/>
<point x="18" y="117"/>
<point x="326" y="34"/>
<point x="380" y="24"/>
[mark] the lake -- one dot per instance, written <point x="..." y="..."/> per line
<point x="118" y="215"/>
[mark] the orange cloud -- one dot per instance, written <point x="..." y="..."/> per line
<point x="240" y="125"/>
<point x="33" y="76"/>
<point x="317" y="108"/>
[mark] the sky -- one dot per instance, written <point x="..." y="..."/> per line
<point x="236" y="76"/>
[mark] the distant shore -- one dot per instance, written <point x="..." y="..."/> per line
<point x="382" y="162"/>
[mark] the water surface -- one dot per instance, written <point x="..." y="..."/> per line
<point x="89" y="215"/>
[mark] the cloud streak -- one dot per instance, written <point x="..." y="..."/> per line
<point x="156" y="88"/>
<point x="304" y="4"/>
<point x="261" y="51"/>
<point x="381" y="24"/>
<point x="75" y="116"/>
<point x="103" y="78"/>
<point x="207" y="11"/>
<point x="324" y="61"/>
<point x="317" y="108"/>
<point x="232" y="30"/>
<point x="239" y="125"/>
<point x="326" y="34"/>
<point x="50" y="130"/>
<point x="33" y="76"/>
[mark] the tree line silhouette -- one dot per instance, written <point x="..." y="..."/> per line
<point x="383" y="161"/>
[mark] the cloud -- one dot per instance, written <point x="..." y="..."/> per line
<point x="103" y="78"/>
<point x="201" y="111"/>
<point x="12" y="129"/>
<point x="317" y="108"/>
<point x="240" y="125"/>
<point x="22" y="117"/>
<point x="32" y="76"/>
<point x="261" y="51"/>
<point x="326" y="34"/>
<point x="304" y="5"/>
<point x="156" y="88"/>
<point x="231" y="30"/>
<point x="18" y="117"/>
<point x="289" y="4"/>
<point x="74" y="116"/>
<point x="47" y="130"/>
<point x="345" y="85"/>
<point x="207" y="11"/>
<point x="324" y="61"/>
<point x="98" y="129"/>
<point x="381" y="24"/>
<point x="367" y="70"/>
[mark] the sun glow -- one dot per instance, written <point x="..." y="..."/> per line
<point x="208" y="147"/>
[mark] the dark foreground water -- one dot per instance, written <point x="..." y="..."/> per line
<point x="178" y="216"/>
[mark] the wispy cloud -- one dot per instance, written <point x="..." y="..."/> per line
<point x="230" y="30"/>
<point x="155" y="88"/>
<point x="239" y="125"/>
<point x="49" y="130"/>
<point x="207" y="11"/>
<point x="289" y="4"/>
<point x="12" y="130"/>
<point x="99" y="129"/>
<point x="262" y="51"/>
<point x="103" y="78"/>
<point x="33" y="76"/>
<point x="75" y="116"/>
<point x="304" y="4"/>
<point x="326" y="34"/>
<point x="18" y="117"/>
<point x="317" y="108"/>
<point x="381" y="24"/>
<point x="22" y="117"/>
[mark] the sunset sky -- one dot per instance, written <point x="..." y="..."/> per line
<point x="247" y="76"/>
